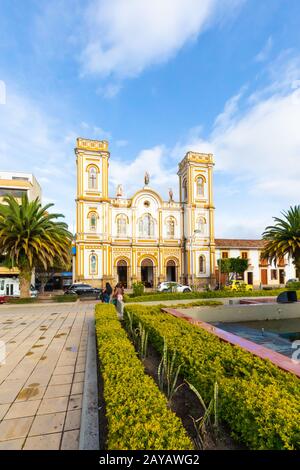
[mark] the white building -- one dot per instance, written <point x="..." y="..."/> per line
<point x="259" y="272"/>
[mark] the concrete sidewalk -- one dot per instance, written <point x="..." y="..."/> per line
<point x="42" y="380"/>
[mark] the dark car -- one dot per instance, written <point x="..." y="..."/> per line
<point x="84" y="290"/>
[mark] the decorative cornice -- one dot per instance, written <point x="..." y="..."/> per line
<point x="92" y="145"/>
<point x="196" y="157"/>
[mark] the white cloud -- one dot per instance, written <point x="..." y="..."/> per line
<point x="257" y="151"/>
<point x="124" y="37"/>
<point x="131" y="174"/>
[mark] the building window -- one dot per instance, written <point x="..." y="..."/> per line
<point x="146" y="226"/>
<point x="201" y="264"/>
<point x="225" y="254"/>
<point x="274" y="275"/>
<point x="92" y="178"/>
<point x="244" y="255"/>
<point x="200" y="225"/>
<point x="200" y="186"/>
<point x="184" y="189"/>
<point x="17" y="193"/>
<point x="122" y="225"/>
<point x="93" y="264"/>
<point x="20" y="178"/>
<point x="171" y="227"/>
<point x="93" y="221"/>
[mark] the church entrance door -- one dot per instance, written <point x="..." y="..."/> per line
<point x="171" y="271"/>
<point x="122" y="271"/>
<point x="147" y="272"/>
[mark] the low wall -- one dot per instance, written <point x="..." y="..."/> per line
<point x="240" y="313"/>
<point x="278" y="359"/>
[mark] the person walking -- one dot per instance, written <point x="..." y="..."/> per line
<point x="107" y="293"/>
<point x="118" y="296"/>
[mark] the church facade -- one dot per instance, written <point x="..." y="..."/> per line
<point x="148" y="237"/>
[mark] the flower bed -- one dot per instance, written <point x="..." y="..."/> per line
<point x="136" y="410"/>
<point x="259" y="402"/>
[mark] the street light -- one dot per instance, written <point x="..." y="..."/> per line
<point x="192" y="254"/>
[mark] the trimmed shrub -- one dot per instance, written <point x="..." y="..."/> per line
<point x="65" y="298"/>
<point x="17" y="300"/>
<point x="138" y="289"/>
<point x="259" y="401"/>
<point x="137" y="412"/>
<point x="196" y="303"/>
<point x="203" y="295"/>
<point x="293" y="285"/>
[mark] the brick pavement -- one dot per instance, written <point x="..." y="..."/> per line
<point x="41" y="382"/>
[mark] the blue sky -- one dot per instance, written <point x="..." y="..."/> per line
<point x="157" y="79"/>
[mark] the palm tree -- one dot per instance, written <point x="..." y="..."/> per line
<point x="31" y="237"/>
<point x="283" y="238"/>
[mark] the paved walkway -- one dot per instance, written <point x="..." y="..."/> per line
<point x="41" y="382"/>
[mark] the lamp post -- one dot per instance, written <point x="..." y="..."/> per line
<point x="192" y="254"/>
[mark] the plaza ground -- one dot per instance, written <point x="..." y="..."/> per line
<point x="42" y="380"/>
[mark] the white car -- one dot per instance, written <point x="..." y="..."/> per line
<point x="172" y="287"/>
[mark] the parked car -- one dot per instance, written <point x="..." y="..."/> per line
<point x="239" y="285"/>
<point x="172" y="287"/>
<point x="84" y="290"/>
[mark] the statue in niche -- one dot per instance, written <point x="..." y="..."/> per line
<point x="171" y="195"/>
<point x="146" y="178"/>
<point x="119" y="190"/>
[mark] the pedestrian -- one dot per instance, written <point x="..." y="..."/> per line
<point x="106" y="293"/>
<point x="118" y="296"/>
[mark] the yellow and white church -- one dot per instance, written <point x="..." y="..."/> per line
<point x="146" y="237"/>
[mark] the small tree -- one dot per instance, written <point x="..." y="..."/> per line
<point x="238" y="266"/>
<point x="224" y="266"/>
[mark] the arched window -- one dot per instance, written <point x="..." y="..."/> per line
<point x="201" y="224"/>
<point x="184" y="189"/>
<point x="200" y="186"/>
<point x="201" y="264"/>
<point x="146" y="226"/>
<point x="93" y="221"/>
<point x="171" y="227"/>
<point x="93" y="178"/>
<point x="121" y="225"/>
<point x="93" y="264"/>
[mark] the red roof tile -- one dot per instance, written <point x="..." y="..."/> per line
<point x="238" y="243"/>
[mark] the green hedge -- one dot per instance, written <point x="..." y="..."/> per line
<point x="137" y="412"/>
<point x="17" y="300"/>
<point x="259" y="402"/>
<point x="65" y="298"/>
<point x="293" y="285"/>
<point x="204" y="295"/>
<point x="196" y="303"/>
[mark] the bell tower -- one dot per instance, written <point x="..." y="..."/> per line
<point x="196" y="196"/>
<point x="91" y="208"/>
